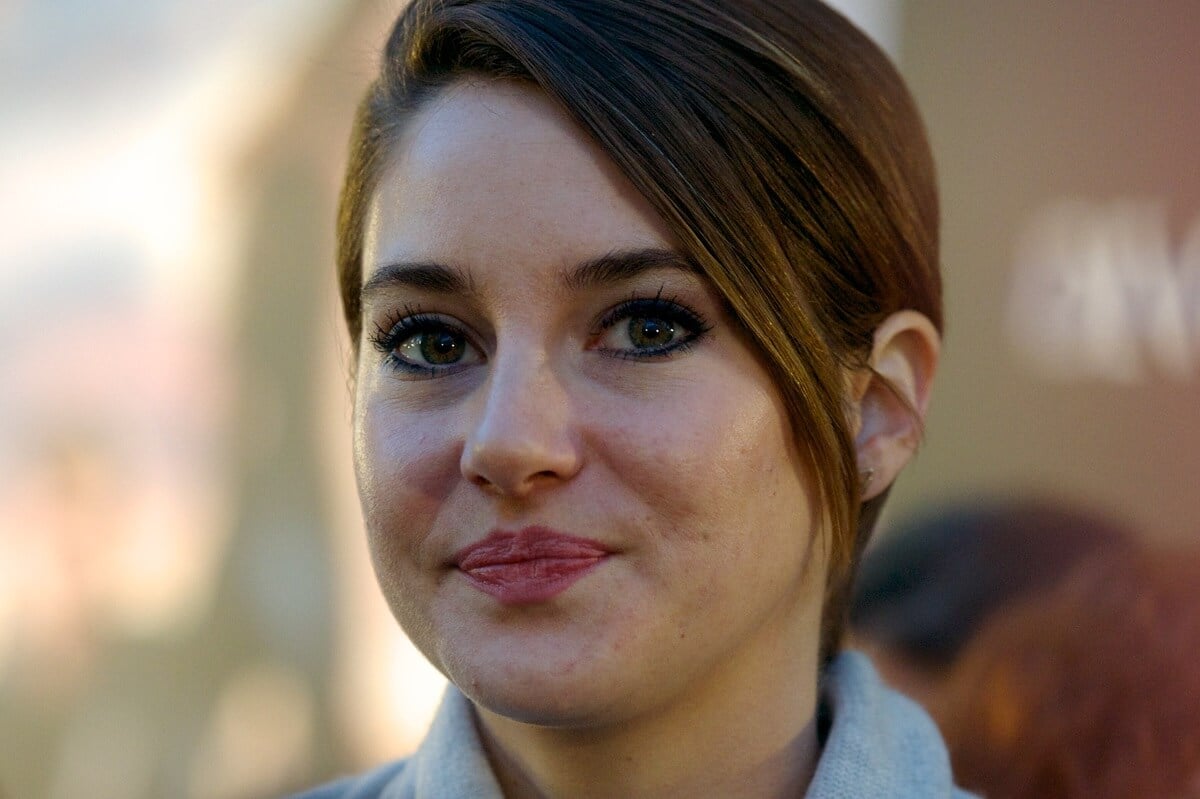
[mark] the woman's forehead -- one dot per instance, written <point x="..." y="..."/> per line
<point x="495" y="171"/>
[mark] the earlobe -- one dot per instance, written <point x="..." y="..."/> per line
<point x="892" y="396"/>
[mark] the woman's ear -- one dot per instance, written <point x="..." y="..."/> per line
<point x="891" y="397"/>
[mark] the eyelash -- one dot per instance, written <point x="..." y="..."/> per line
<point x="402" y="325"/>
<point x="656" y="307"/>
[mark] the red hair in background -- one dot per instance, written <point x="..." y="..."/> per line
<point x="1089" y="690"/>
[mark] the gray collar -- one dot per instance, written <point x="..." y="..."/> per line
<point x="880" y="743"/>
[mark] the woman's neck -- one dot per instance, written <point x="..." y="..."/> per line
<point x="745" y="742"/>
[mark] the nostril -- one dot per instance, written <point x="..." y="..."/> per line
<point x="488" y="487"/>
<point x="517" y="472"/>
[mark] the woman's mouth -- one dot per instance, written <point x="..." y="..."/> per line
<point x="532" y="565"/>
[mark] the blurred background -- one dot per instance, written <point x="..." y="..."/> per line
<point x="186" y="605"/>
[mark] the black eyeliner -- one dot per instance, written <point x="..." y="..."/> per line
<point x="398" y="327"/>
<point x="668" y="309"/>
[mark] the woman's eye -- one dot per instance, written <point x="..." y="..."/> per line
<point x="650" y="332"/>
<point x="648" y="328"/>
<point x="436" y="348"/>
<point x="425" y="344"/>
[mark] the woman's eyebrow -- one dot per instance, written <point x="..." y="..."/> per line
<point x="613" y="267"/>
<point x="621" y="265"/>
<point x="423" y="275"/>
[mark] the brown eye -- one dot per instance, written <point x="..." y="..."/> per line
<point x="426" y="345"/>
<point x="439" y="348"/>
<point x="650" y="332"/>
<point x="649" y="329"/>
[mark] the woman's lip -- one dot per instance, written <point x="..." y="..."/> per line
<point x="529" y="566"/>
<point x="530" y="543"/>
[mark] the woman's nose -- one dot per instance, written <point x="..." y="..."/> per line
<point x="521" y="435"/>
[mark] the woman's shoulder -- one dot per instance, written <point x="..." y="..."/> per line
<point x="449" y="762"/>
<point x="368" y="785"/>
<point x="879" y="742"/>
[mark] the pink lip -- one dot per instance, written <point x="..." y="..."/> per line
<point x="529" y="566"/>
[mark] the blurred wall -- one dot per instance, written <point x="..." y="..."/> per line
<point x="169" y="585"/>
<point x="1066" y="138"/>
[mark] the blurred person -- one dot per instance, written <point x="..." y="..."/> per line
<point x="926" y="589"/>
<point x="644" y="300"/>
<point x="1091" y="689"/>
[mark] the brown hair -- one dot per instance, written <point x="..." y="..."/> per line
<point x="775" y="140"/>
<point x="1089" y="690"/>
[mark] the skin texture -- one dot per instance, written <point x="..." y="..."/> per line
<point x="701" y="628"/>
<point x="683" y="465"/>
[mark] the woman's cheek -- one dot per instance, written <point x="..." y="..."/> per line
<point x="405" y="463"/>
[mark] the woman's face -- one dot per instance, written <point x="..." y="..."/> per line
<point x="581" y="490"/>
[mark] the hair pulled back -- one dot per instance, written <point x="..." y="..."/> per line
<point x="775" y="140"/>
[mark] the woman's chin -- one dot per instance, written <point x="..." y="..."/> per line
<point x="545" y="693"/>
<point x="555" y="710"/>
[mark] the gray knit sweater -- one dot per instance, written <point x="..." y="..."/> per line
<point x="880" y="745"/>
